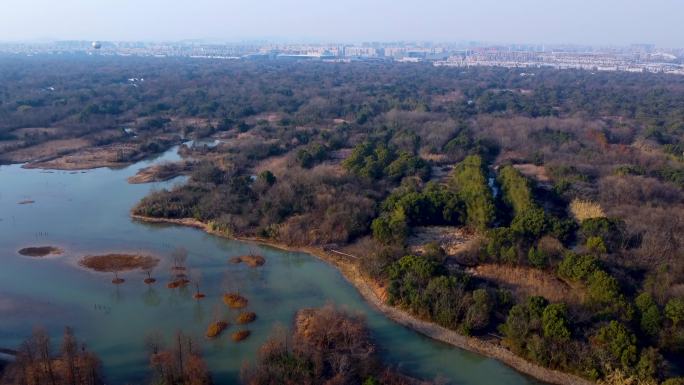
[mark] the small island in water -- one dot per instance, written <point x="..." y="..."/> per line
<point x="40" y="251"/>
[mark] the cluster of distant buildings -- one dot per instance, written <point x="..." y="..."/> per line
<point x="634" y="58"/>
<point x="624" y="61"/>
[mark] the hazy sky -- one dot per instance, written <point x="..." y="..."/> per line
<point x="512" y="21"/>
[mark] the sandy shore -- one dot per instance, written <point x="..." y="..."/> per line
<point x="351" y="273"/>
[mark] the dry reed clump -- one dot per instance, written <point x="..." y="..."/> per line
<point x="235" y="300"/>
<point x="583" y="209"/>
<point x="178" y="283"/>
<point x="246" y="317"/>
<point x="250" y="260"/>
<point x="240" y="335"/>
<point x="216" y="328"/>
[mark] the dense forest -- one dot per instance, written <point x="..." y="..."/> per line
<point x="557" y="196"/>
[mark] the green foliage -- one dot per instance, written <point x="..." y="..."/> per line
<point x="434" y="205"/>
<point x="445" y="294"/>
<point x="650" y="317"/>
<point x="530" y="224"/>
<point x="537" y="258"/>
<point x="576" y="267"/>
<point x="478" y="314"/>
<point x="501" y="245"/>
<point x="375" y="160"/>
<point x="651" y="364"/>
<point x="423" y="287"/>
<point x="267" y="177"/>
<point x="516" y="328"/>
<point x="391" y="228"/>
<point x="408" y="278"/>
<point x="674" y="310"/>
<point x="619" y="342"/>
<point x="312" y="154"/>
<point x="610" y="230"/>
<point x="516" y="189"/>
<point x="536" y="329"/>
<point x="406" y="207"/>
<point x="554" y="322"/>
<point x="371" y="381"/>
<point x="596" y="245"/>
<point x="407" y="164"/>
<point x="602" y="288"/>
<point x="469" y="181"/>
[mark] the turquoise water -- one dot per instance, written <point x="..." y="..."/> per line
<point x="88" y="213"/>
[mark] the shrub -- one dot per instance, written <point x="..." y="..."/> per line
<point x="469" y="181"/>
<point x="478" y="314"/>
<point x="391" y="228"/>
<point x="554" y="322"/>
<point x="516" y="328"/>
<point x="577" y="267"/>
<point x="602" y="287"/>
<point x="650" y="316"/>
<point x="596" y="245"/>
<point x="611" y="230"/>
<point x="530" y="224"/>
<point x="674" y="310"/>
<point x="516" y="189"/>
<point x="650" y="365"/>
<point x="536" y="257"/>
<point x="619" y="342"/>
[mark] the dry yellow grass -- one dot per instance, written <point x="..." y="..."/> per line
<point x="525" y="282"/>
<point x="583" y="210"/>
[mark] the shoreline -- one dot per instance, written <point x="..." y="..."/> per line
<point x="351" y="273"/>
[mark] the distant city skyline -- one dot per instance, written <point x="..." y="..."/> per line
<point x="583" y="22"/>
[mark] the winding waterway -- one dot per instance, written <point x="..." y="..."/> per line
<point x="88" y="213"/>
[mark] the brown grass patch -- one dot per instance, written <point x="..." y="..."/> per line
<point x="118" y="262"/>
<point x="533" y="171"/>
<point x="40" y="251"/>
<point x="216" y="328"/>
<point x="235" y="300"/>
<point x="525" y="281"/>
<point x="49" y="149"/>
<point x="250" y="260"/>
<point x="240" y="335"/>
<point x="246" y="317"/>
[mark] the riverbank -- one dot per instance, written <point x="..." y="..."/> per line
<point x="352" y="274"/>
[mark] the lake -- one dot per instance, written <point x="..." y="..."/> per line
<point x="88" y="213"/>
